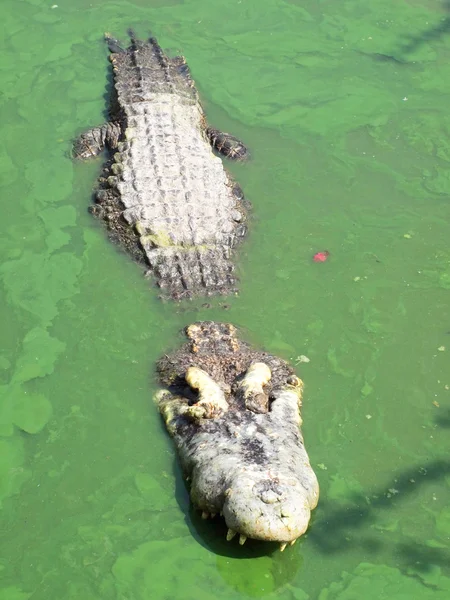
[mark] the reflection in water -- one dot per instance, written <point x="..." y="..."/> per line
<point x="257" y="576"/>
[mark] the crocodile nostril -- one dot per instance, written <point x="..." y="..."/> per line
<point x="269" y="496"/>
<point x="269" y="491"/>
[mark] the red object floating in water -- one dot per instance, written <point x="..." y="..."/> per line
<point x="321" y="256"/>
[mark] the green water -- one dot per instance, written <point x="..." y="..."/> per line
<point x="345" y="106"/>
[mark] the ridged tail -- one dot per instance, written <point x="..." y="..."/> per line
<point x="144" y="69"/>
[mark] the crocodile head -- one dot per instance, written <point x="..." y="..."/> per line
<point x="234" y="414"/>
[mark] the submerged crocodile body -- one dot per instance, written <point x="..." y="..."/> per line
<point x="234" y="414"/>
<point x="164" y="194"/>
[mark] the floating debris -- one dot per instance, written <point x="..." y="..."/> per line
<point x="302" y="359"/>
<point x="321" y="256"/>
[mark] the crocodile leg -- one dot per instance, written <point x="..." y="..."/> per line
<point x="251" y="386"/>
<point x="179" y="63"/>
<point x="91" y="142"/>
<point x="288" y="401"/>
<point x="171" y="408"/>
<point x="226" y="144"/>
<point x="113" y="44"/>
<point x="211" y="399"/>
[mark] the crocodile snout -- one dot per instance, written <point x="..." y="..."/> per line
<point x="268" y="509"/>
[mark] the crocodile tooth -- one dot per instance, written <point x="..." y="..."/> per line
<point x="292" y="543"/>
<point x="213" y="515"/>
<point x="242" y="539"/>
<point x="283" y="546"/>
<point x="230" y="534"/>
<point x="205" y="515"/>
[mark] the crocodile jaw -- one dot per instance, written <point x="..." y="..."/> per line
<point x="267" y="509"/>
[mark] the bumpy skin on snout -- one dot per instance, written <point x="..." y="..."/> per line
<point x="267" y="509"/>
<point x="249" y="465"/>
<point x="273" y="500"/>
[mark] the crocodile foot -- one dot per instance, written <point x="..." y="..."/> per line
<point x="227" y="144"/>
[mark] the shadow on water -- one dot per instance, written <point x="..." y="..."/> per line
<point x="330" y="527"/>
<point x="421" y="557"/>
<point x="330" y="532"/>
<point x="443" y="420"/>
<point x="412" y="43"/>
<point x="428" y="35"/>
<point x="258" y="568"/>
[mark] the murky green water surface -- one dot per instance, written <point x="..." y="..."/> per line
<point x="345" y="108"/>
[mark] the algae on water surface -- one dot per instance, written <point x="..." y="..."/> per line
<point x="345" y="109"/>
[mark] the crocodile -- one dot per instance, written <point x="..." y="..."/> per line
<point x="164" y="195"/>
<point x="234" y="415"/>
